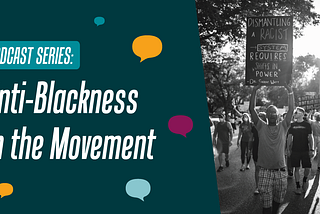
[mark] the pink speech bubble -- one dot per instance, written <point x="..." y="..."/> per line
<point x="180" y="124"/>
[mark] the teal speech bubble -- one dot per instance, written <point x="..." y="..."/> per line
<point x="138" y="188"/>
<point x="99" y="20"/>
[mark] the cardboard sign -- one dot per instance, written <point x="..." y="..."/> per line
<point x="269" y="50"/>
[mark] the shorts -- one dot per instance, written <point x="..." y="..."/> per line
<point x="300" y="157"/>
<point x="272" y="186"/>
<point x="223" y="147"/>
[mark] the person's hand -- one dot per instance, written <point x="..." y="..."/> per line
<point x="256" y="87"/>
<point x="288" y="86"/>
<point x="288" y="153"/>
<point x="311" y="154"/>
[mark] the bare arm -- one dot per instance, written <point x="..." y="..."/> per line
<point x="290" y="105"/>
<point x="289" y="144"/>
<point x="230" y="131"/>
<point x="252" y="105"/>
<point x="239" y="136"/>
<point x="311" y="145"/>
<point x="214" y="135"/>
<point x="311" y="141"/>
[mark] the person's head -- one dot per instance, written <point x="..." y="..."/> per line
<point x="246" y="118"/>
<point x="263" y="116"/>
<point x="299" y="113"/>
<point x="317" y="116"/>
<point x="272" y="115"/>
<point x="221" y="117"/>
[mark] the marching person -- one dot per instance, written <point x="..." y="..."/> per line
<point x="224" y="132"/>
<point x="315" y="125"/>
<point x="272" y="183"/>
<point x="245" y="138"/>
<point x="301" y="148"/>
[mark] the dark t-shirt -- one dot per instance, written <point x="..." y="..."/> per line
<point x="223" y="129"/>
<point x="300" y="132"/>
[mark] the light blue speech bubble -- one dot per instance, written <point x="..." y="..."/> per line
<point x="99" y="20"/>
<point x="138" y="188"/>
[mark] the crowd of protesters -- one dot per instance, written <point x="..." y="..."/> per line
<point x="278" y="144"/>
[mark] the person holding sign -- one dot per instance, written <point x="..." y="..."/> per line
<point x="272" y="183"/>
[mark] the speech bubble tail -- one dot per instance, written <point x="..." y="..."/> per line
<point x="142" y="199"/>
<point x="184" y="135"/>
<point x="1" y="196"/>
<point x="142" y="60"/>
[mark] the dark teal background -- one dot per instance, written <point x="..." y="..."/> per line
<point x="182" y="173"/>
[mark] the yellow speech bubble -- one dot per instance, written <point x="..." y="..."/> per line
<point x="147" y="47"/>
<point x="5" y="189"/>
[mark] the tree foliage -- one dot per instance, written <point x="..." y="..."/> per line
<point x="223" y="21"/>
<point x="305" y="78"/>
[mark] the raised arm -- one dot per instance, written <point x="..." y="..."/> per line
<point x="252" y="105"/>
<point x="290" y="105"/>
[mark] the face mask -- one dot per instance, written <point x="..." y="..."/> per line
<point x="245" y="119"/>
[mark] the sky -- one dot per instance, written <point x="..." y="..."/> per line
<point x="309" y="42"/>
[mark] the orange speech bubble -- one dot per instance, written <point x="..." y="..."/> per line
<point x="5" y="189"/>
<point x="147" y="47"/>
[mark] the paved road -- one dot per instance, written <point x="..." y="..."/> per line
<point x="236" y="190"/>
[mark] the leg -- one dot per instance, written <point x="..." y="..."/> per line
<point x="265" y="189"/>
<point x="279" y="190"/>
<point x="256" y="176"/>
<point x="248" y="156"/>
<point x="295" y="162"/>
<point x="225" y="150"/>
<point x="318" y="153"/>
<point x="297" y="176"/>
<point x="227" y="157"/>
<point x="219" y="150"/>
<point x="243" y="154"/>
<point x="306" y="164"/>
<point x="275" y="207"/>
<point x="267" y="210"/>
<point x="289" y="167"/>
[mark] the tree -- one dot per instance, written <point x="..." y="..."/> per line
<point x="223" y="78"/>
<point x="302" y="67"/>
<point x="223" y="21"/>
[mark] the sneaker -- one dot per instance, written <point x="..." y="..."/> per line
<point x="247" y="167"/>
<point x="305" y="186"/>
<point x="220" y="169"/>
<point x="298" y="191"/>
<point x="242" y="168"/>
<point x="256" y="192"/>
<point x="227" y="163"/>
